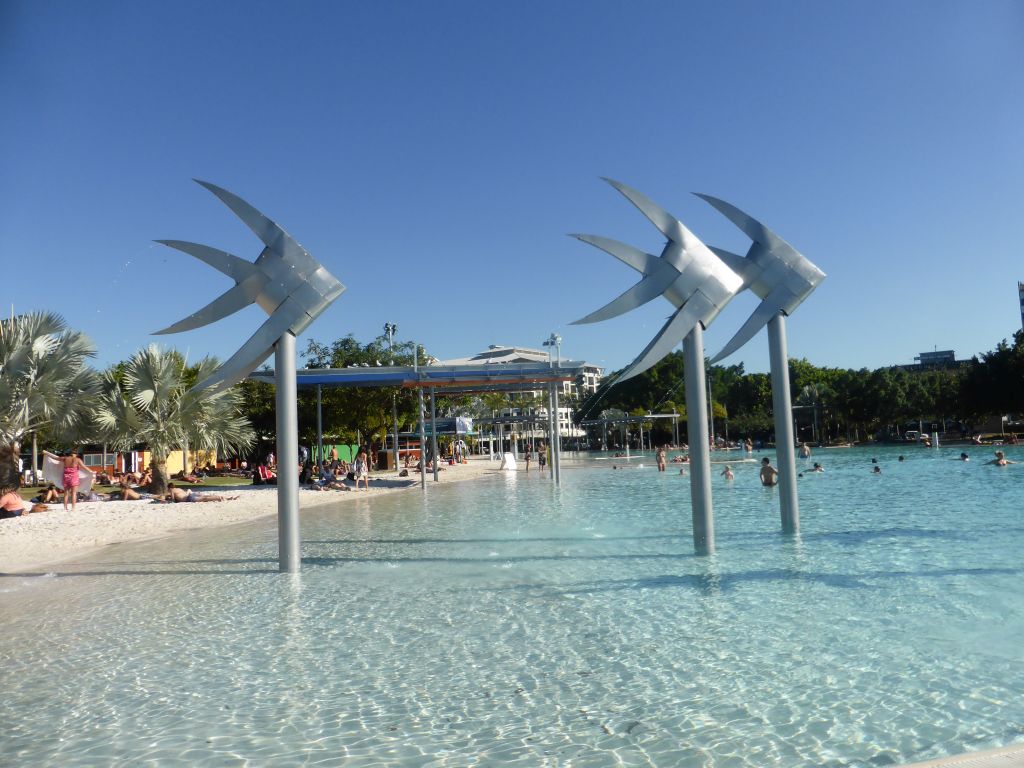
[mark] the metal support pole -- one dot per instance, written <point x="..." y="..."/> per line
<point x="423" y="445"/>
<point x="319" y="425"/>
<point x="556" y="454"/>
<point x="35" y="459"/>
<point x="711" y="413"/>
<point x="551" y="430"/>
<point x="784" y="442"/>
<point x="394" y="421"/>
<point x="433" y="430"/>
<point x="289" y="558"/>
<point x="697" y="434"/>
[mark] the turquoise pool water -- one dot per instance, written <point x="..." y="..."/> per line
<point x="507" y="622"/>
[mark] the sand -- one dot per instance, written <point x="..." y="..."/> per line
<point x="30" y="542"/>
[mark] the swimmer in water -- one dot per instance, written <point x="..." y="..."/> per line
<point x="769" y="474"/>
<point x="964" y="457"/>
<point x="818" y="468"/>
<point x="877" y="470"/>
<point x="1000" y="460"/>
<point x="727" y="473"/>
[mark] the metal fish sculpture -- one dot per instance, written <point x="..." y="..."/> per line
<point x="285" y="281"/>
<point x="775" y="271"/>
<point x="686" y="273"/>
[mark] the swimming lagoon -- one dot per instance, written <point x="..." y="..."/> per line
<point x="504" y="621"/>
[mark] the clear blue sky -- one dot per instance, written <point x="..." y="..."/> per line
<point x="433" y="155"/>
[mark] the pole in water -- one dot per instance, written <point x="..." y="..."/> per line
<point x="319" y="426"/>
<point x="423" y="436"/>
<point x="433" y="433"/>
<point x="556" y="445"/>
<point x="289" y="558"/>
<point x="784" y="439"/>
<point x="697" y="434"/>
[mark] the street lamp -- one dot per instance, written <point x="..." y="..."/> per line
<point x="390" y="329"/>
<point x="554" y="340"/>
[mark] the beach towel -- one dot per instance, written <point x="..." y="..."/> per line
<point x="53" y="472"/>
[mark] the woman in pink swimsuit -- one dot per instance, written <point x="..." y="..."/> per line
<point x="72" y="463"/>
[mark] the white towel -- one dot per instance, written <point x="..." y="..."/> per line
<point x="53" y="472"/>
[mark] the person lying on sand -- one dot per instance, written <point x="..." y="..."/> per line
<point x="179" y="496"/>
<point x="126" y="493"/>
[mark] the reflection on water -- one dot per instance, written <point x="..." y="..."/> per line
<point x="507" y="621"/>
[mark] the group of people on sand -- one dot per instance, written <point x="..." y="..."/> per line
<point x="330" y="475"/>
<point x="12" y="505"/>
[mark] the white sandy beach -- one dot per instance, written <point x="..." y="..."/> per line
<point x="32" y="541"/>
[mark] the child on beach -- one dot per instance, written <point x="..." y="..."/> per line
<point x="362" y="470"/>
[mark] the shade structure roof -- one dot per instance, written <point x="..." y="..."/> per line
<point x="480" y="377"/>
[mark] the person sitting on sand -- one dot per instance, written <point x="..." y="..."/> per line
<point x="179" y="496"/>
<point x="12" y="505"/>
<point x="1000" y="460"/>
<point x="769" y="474"/>
<point x="727" y="473"/>
<point x="50" y="495"/>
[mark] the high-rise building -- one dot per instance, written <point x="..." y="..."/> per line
<point x="1020" y="295"/>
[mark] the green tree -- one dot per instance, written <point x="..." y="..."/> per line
<point x="151" y="401"/>
<point x="44" y="384"/>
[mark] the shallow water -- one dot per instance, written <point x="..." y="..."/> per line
<point x="505" y="621"/>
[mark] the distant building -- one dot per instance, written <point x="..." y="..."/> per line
<point x="944" y="358"/>
<point x="940" y="359"/>
<point x="586" y="384"/>
<point x="526" y="415"/>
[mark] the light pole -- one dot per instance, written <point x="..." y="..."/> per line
<point x="554" y="340"/>
<point x="391" y="329"/>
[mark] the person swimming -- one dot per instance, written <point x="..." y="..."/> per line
<point x="964" y="457"/>
<point x="1000" y="460"/>
<point x="769" y="474"/>
<point x="727" y="473"/>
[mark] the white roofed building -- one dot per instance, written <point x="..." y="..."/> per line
<point x="530" y="403"/>
<point x="585" y="385"/>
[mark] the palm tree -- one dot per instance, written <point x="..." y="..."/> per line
<point x="149" y="400"/>
<point x="44" y="382"/>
